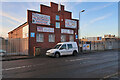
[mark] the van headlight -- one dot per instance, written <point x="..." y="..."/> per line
<point x="51" y="53"/>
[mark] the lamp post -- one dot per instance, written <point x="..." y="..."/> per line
<point x="79" y="28"/>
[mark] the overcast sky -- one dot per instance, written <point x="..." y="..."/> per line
<point x="98" y="19"/>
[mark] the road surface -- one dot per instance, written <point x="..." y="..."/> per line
<point x="93" y="65"/>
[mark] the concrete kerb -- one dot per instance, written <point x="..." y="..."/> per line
<point x="15" y="58"/>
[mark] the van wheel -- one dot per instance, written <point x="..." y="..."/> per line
<point x="74" y="53"/>
<point x="57" y="55"/>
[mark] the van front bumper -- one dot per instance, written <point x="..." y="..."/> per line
<point x="50" y="54"/>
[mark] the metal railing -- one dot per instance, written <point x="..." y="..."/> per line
<point x="18" y="46"/>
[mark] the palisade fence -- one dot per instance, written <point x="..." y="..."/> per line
<point x="18" y="46"/>
<point x="102" y="45"/>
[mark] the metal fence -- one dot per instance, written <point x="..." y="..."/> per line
<point x="19" y="46"/>
<point x="102" y="45"/>
<point x="16" y="46"/>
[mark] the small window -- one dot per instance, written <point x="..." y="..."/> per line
<point x="63" y="38"/>
<point x="51" y="38"/>
<point x="63" y="46"/>
<point x="57" y="24"/>
<point x="57" y="17"/>
<point x="71" y="38"/>
<point x="69" y="46"/>
<point x="40" y="37"/>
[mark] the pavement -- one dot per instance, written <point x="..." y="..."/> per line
<point x="97" y="65"/>
<point x="9" y="58"/>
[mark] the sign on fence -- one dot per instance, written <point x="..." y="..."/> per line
<point x="94" y="38"/>
<point x="86" y="46"/>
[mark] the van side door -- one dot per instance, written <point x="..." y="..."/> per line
<point x="70" y="49"/>
<point x="63" y="49"/>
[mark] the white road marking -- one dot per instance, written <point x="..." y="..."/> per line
<point x="21" y="67"/>
<point x="77" y="59"/>
<point x="108" y="76"/>
<point x="28" y="66"/>
<point x="14" y="68"/>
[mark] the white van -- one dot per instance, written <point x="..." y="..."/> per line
<point x="64" y="48"/>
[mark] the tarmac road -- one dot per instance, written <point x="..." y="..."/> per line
<point x="93" y="65"/>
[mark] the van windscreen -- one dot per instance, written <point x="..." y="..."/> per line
<point x="57" y="46"/>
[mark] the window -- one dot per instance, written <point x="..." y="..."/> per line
<point x="57" y="46"/>
<point x="87" y="42"/>
<point x="57" y="17"/>
<point x="40" y="37"/>
<point x="63" y="46"/>
<point x="69" y="46"/>
<point x="51" y="38"/>
<point x="57" y="24"/>
<point x="71" y="38"/>
<point x="63" y="38"/>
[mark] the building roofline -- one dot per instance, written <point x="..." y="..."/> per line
<point x="75" y="19"/>
<point x="67" y="11"/>
<point x="17" y="27"/>
<point x="34" y="11"/>
<point x="44" y="5"/>
<point x="50" y="4"/>
<point x="55" y="3"/>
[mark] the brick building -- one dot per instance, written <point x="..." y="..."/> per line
<point x="46" y="28"/>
